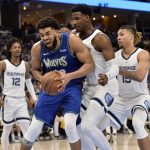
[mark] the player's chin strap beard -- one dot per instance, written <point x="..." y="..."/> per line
<point x="54" y="44"/>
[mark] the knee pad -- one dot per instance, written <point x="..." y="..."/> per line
<point x="27" y="143"/>
<point x="70" y="127"/>
<point x="138" y="123"/>
<point x="34" y="130"/>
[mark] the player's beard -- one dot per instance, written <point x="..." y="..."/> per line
<point x="54" y="43"/>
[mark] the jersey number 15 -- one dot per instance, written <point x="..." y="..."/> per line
<point x="126" y="80"/>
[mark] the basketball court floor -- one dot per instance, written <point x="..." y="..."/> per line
<point x="123" y="142"/>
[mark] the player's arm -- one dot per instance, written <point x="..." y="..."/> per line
<point x="142" y="68"/>
<point x="2" y="67"/>
<point x="28" y="81"/>
<point x="102" y="43"/>
<point x="83" y="55"/>
<point x="2" y="70"/>
<point x="36" y="61"/>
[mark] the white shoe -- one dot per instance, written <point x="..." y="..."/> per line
<point x="108" y="136"/>
<point x="19" y="138"/>
<point x="15" y="141"/>
<point x="113" y="137"/>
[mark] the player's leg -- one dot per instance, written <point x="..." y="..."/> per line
<point x="7" y="120"/>
<point x="19" y="138"/>
<point x="138" y="121"/>
<point x="45" y="110"/>
<point x="56" y="126"/>
<point x="94" y="113"/>
<point x="71" y="131"/>
<point x="5" y="137"/>
<point x="23" y="118"/>
<point x="71" y="109"/>
<point x="86" y="142"/>
<point x="32" y="133"/>
<point x="89" y="123"/>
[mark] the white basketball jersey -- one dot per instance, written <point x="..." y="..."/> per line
<point x="130" y="88"/>
<point x="100" y="62"/>
<point x="14" y="79"/>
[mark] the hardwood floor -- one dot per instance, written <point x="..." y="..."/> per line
<point x="123" y="142"/>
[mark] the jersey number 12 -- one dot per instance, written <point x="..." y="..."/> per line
<point x="16" y="81"/>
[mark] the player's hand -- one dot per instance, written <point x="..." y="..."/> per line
<point x="103" y="79"/>
<point x="1" y="102"/>
<point x="64" y="81"/>
<point x="31" y="103"/>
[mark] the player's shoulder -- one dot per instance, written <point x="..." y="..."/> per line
<point x="101" y="37"/>
<point x="3" y="65"/>
<point x="143" y="53"/>
<point x="118" y="52"/>
<point x="36" y="45"/>
<point x="73" y="36"/>
<point x="74" y="40"/>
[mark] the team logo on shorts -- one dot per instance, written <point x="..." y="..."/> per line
<point x="147" y="104"/>
<point x="108" y="99"/>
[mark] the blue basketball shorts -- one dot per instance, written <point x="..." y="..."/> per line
<point x="47" y="106"/>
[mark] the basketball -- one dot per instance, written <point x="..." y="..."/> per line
<point x="48" y="84"/>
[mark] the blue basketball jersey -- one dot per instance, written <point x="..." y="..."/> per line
<point x="61" y="59"/>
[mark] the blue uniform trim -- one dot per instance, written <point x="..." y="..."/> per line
<point x="83" y="107"/>
<point x="137" y="106"/>
<point x="98" y="100"/>
<point x="23" y="118"/>
<point x="14" y="120"/>
<point x="115" y="118"/>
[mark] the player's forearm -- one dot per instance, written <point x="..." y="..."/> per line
<point x="130" y="75"/>
<point x="31" y="89"/>
<point x="37" y="74"/>
<point x="83" y="71"/>
<point x="112" y="68"/>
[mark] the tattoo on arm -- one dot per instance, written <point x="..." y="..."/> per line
<point x="129" y="74"/>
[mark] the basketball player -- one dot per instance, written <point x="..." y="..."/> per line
<point x="134" y="96"/>
<point x="65" y="53"/>
<point x="96" y="96"/>
<point x="134" y="99"/>
<point x="16" y="73"/>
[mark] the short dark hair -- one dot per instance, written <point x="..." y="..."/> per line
<point x="83" y="8"/>
<point x="48" y="22"/>
<point x="11" y="42"/>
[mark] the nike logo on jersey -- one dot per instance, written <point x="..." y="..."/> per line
<point x="45" y="54"/>
<point x="63" y="50"/>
